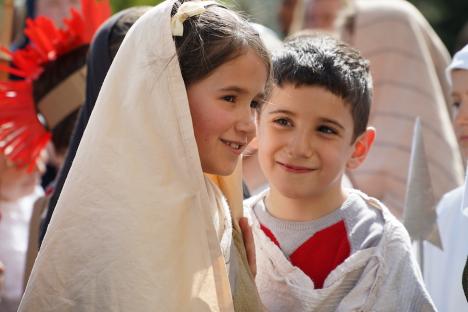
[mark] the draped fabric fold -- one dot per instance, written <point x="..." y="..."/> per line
<point x="134" y="228"/>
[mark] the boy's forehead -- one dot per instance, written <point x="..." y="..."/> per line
<point x="290" y="94"/>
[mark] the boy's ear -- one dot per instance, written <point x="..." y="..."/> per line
<point x="362" y="146"/>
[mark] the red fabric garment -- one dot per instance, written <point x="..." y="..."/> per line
<point x="321" y="253"/>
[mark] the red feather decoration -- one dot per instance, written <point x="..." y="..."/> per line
<point x="22" y="135"/>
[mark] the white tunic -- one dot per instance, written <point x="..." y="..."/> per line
<point x="443" y="269"/>
<point x="381" y="278"/>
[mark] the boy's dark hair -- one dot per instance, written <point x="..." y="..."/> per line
<point x="213" y="38"/>
<point x="321" y="60"/>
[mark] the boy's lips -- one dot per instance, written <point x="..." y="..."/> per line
<point x="295" y="168"/>
<point x="236" y="146"/>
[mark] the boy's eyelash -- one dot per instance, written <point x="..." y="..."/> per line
<point x="284" y="122"/>
<point x="327" y="130"/>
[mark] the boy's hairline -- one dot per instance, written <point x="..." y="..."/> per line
<point x="296" y="84"/>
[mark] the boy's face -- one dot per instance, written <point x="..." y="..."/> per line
<point x="460" y="107"/>
<point x="305" y="141"/>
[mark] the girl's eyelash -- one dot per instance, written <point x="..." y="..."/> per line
<point x="254" y="104"/>
<point x="229" y="98"/>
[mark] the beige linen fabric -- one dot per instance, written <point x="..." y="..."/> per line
<point x="407" y="62"/>
<point x="133" y="228"/>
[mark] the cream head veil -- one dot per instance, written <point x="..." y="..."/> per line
<point x="132" y="230"/>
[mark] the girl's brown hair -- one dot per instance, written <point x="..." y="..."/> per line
<point x="213" y="38"/>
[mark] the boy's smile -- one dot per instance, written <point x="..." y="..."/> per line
<point x="305" y="137"/>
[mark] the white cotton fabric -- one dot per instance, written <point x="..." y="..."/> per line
<point x="14" y="230"/>
<point x="443" y="269"/>
<point x="459" y="61"/>
<point x="381" y="278"/>
<point x="133" y="228"/>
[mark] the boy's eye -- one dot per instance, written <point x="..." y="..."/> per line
<point x="229" y="98"/>
<point x="283" y="122"/>
<point x="456" y="104"/>
<point x="327" y="130"/>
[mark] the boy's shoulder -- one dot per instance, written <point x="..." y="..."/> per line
<point x="393" y="229"/>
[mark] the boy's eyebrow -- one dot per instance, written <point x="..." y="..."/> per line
<point x="281" y="111"/>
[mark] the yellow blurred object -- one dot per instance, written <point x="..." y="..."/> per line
<point x="6" y="13"/>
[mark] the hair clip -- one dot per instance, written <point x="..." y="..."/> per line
<point x="186" y="10"/>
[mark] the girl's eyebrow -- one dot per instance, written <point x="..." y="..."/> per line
<point x="236" y="89"/>
<point x="240" y="90"/>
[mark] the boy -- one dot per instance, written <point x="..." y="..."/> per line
<point x="322" y="247"/>
<point x="443" y="268"/>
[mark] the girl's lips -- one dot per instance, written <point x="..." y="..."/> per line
<point x="236" y="147"/>
<point x="294" y="169"/>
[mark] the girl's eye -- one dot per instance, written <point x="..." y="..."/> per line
<point x="229" y="98"/>
<point x="456" y="104"/>
<point x="254" y="104"/>
<point x="327" y="130"/>
<point x="283" y="122"/>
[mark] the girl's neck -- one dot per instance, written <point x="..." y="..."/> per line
<point x="304" y="208"/>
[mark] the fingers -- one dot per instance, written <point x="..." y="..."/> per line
<point x="249" y="244"/>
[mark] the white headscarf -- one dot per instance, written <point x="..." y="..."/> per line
<point x="459" y="61"/>
<point x="133" y="228"/>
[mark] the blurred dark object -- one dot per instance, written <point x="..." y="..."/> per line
<point x="446" y="16"/>
<point x="465" y="279"/>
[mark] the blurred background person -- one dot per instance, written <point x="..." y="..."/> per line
<point x="408" y="65"/>
<point x="443" y="269"/>
<point x="38" y="108"/>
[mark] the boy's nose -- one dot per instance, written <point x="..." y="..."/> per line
<point x="301" y="145"/>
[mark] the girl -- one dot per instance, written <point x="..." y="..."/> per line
<point x="139" y="226"/>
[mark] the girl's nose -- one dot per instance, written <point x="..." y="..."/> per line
<point x="246" y="123"/>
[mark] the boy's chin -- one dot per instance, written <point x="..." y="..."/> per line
<point x="291" y="192"/>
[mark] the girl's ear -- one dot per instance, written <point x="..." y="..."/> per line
<point x="362" y="146"/>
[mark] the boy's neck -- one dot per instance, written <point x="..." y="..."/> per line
<point x="304" y="209"/>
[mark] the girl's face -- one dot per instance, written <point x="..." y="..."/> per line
<point x="222" y="106"/>
<point x="460" y="107"/>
